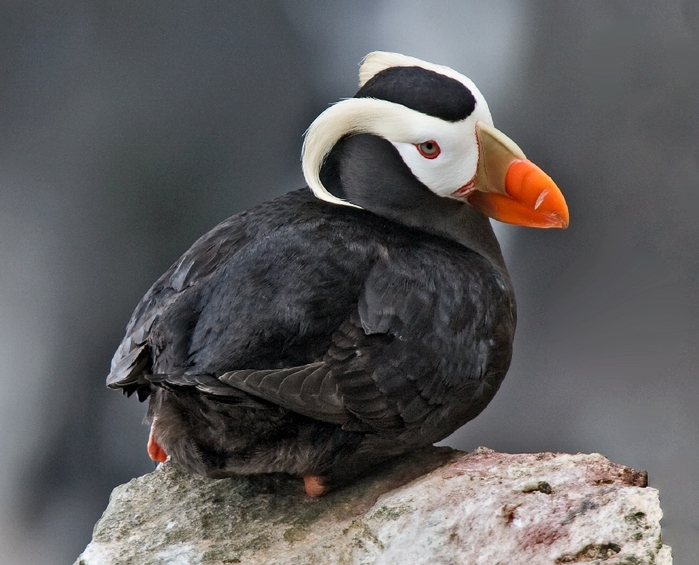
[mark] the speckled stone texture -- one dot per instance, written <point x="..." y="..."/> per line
<point x="435" y="507"/>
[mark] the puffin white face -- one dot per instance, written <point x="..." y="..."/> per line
<point x="443" y="155"/>
<point x="440" y="124"/>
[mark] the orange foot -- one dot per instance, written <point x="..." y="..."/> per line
<point x="314" y="486"/>
<point x="156" y="452"/>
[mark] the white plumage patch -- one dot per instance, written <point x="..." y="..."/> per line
<point x="454" y="167"/>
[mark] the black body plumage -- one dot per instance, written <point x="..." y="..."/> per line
<point x="320" y="339"/>
<point x="311" y="338"/>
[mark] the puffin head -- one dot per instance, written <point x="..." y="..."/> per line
<point x="415" y="127"/>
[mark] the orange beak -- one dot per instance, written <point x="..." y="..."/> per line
<point x="510" y="188"/>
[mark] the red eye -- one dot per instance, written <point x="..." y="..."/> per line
<point x="428" y="149"/>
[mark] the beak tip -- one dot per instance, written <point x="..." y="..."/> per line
<point x="559" y="216"/>
<point x="536" y="195"/>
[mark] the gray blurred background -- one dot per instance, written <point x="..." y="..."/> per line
<point x="128" y="129"/>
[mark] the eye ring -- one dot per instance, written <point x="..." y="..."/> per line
<point x="428" y="149"/>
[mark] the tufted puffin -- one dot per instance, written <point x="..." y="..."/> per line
<point x="328" y="330"/>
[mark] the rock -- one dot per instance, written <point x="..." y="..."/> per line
<point x="436" y="506"/>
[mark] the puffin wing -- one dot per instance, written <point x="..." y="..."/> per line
<point x="338" y="389"/>
<point x="417" y="337"/>
<point x="313" y="390"/>
<point x="309" y="390"/>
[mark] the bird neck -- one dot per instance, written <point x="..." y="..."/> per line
<point x="368" y="171"/>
